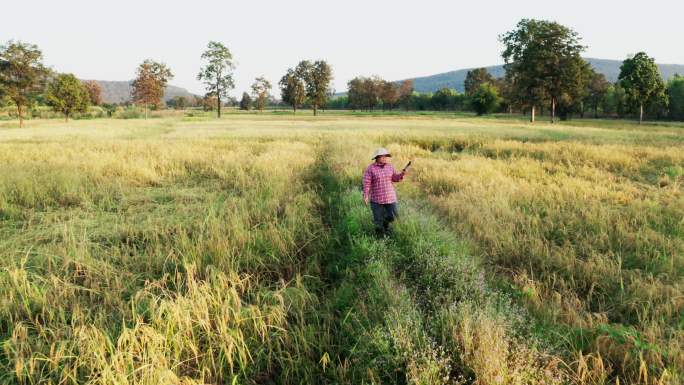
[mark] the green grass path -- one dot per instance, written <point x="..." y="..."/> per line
<point x="416" y="308"/>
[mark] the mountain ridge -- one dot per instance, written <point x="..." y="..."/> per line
<point x="119" y="91"/>
<point x="454" y="79"/>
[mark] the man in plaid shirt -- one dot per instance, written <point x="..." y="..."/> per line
<point x="379" y="191"/>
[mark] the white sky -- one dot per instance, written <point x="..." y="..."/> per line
<point x="106" y="40"/>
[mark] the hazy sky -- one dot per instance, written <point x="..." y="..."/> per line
<point x="106" y="40"/>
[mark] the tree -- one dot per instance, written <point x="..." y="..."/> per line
<point x="405" y="92"/>
<point x="615" y="101"/>
<point x="364" y="92"/>
<point x="292" y="89"/>
<point x="567" y="81"/>
<point x="389" y="94"/>
<point x="67" y="95"/>
<point x="260" y="89"/>
<point x="474" y="78"/>
<point x="659" y="107"/>
<point x="421" y="101"/>
<point x="339" y="102"/>
<point x="317" y="77"/>
<point x="22" y="74"/>
<point x="608" y="104"/>
<point x="245" y="102"/>
<point x="110" y="109"/>
<point x="485" y="99"/>
<point x="597" y="87"/>
<point x="356" y="99"/>
<point x="370" y="91"/>
<point x="507" y="92"/>
<point x="444" y="99"/>
<point x="208" y="102"/>
<point x="178" y="102"/>
<point x="543" y="62"/>
<point x="641" y="80"/>
<point x="217" y="73"/>
<point x="94" y="92"/>
<point x="198" y="101"/>
<point x="3" y="100"/>
<point x="150" y="83"/>
<point x="675" y="92"/>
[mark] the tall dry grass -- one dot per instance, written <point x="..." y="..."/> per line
<point x="589" y="235"/>
<point x="192" y="250"/>
<point x="136" y="261"/>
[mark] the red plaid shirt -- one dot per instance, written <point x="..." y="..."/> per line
<point x="377" y="183"/>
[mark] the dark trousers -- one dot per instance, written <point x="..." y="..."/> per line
<point x="383" y="215"/>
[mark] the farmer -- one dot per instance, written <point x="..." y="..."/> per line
<point x="378" y="189"/>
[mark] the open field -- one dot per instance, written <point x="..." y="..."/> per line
<point x="190" y="250"/>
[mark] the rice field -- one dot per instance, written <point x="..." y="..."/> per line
<point x="190" y="250"/>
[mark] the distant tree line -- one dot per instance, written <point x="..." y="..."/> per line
<point x="25" y="82"/>
<point x="544" y="73"/>
<point x="544" y="69"/>
<point x="371" y="93"/>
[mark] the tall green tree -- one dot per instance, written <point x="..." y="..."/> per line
<point x="675" y="93"/>
<point x="474" y="78"/>
<point x="370" y="91"/>
<point x="317" y="77"/>
<point x="543" y="62"/>
<point x="485" y="99"/>
<point x="421" y="101"/>
<point x="150" y="83"/>
<point x="597" y="88"/>
<point x="245" y="102"/>
<point x="641" y="80"/>
<point x="292" y="89"/>
<point x="356" y="99"/>
<point x="22" y="75"/>
<point x="608" y="103"/>
<point x="444" y="99"/>
<point x="260" y="89"/>
<point x="615" y="101"/>
<point x="217" y="72"/>
<point x="67" y="95"/>
<point x="570" y="89"/>
<point x="507" y="93"/>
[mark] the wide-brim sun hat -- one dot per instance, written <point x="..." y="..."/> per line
<point x="381" y="151"/>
